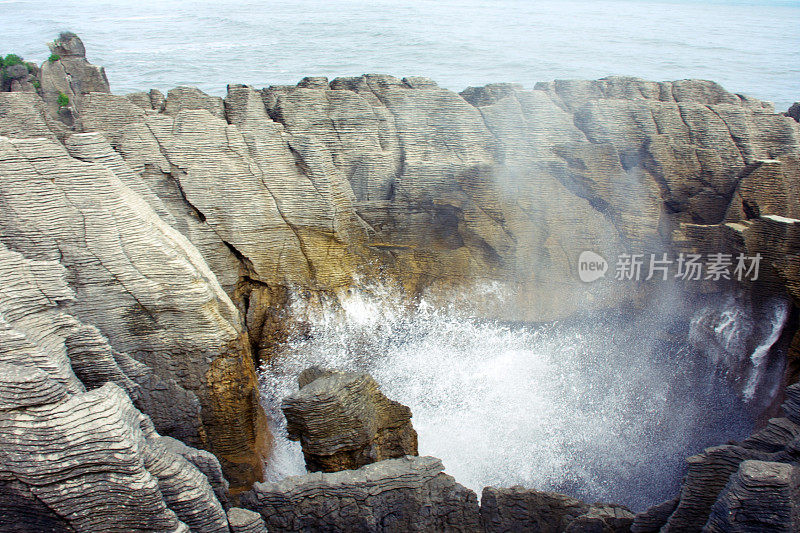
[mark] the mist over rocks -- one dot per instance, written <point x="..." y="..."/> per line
<point x="149" y="245"/>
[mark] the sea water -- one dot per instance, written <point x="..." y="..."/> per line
<point x="602" y="408"/>
<point x="750" y="47"/>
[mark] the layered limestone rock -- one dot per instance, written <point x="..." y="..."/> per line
<point x="88" y="456"/>
<point x="244" y="521"/>
<point x="343" y="421"/>
<point x="145" y="289"/>
<point x="750" y="486"/>
<point x="520" y="509"/>
<point x="396" y="495"/>
<point x="440" y="189"/>
<point x="183" y="222"/>
<point x="71" y="75"/>
<point x="75" y="452"/>
<point x="762" y="495"/>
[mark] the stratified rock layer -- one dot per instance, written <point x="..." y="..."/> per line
<point x="750" y="486"/>
<point x="525" y="510"/>
<point x="145" y="289"/>
<point x="343" y="421"/>
<point x="396" y="495"/>
<point x="178" y="225"/>
<point x="761" y="496"/>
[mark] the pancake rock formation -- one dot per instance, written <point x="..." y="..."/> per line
<point x="150" y="245"/>
<point x="343" y="421"/>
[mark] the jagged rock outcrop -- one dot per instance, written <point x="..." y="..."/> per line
<point x="146" y="289"/>
<point x="750" y="486"/>
<point x="794" y="111"/>
<point x="343" y="421"/>
<point x="87" y="457"/>
<point x="760" y="496"/>
<point x="71" y="75"/>
<point x="518" y="509"/>
<point x="396" y="495"/>
<point x="183" y="222"/>
<point x="75" y="452"/>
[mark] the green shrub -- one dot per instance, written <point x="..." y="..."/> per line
<point x="12" y="59"/>
<point x="53" y="58"/>
<point x="63" y="99"/>
<point x="38" y="85"/>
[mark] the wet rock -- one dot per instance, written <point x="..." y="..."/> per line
<point x="343" y="421"/>
<point x="520" y="509"/>
<point x="603" y="518"/>
<point x="724" y="480"/>
<point x="761" y="496"/>
<point x="654" y="518"/>
<point x="396" y="495"/>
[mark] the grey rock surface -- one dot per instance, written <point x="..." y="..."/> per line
<point x="396" y="495"/>
<point x="71" y="75"/>
<point x="520" y="509"/>
<point x="142" y="285"/>
<point x="244" y="521"/>
<point x="517" y="509"/>
<point x="761" y="496"/>
<point x="146" y="243"/>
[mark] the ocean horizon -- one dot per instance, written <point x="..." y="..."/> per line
<point x="750" y="48"/>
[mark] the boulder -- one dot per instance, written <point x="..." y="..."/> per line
<point x="794" y="111"/>
<point x="396" y="495"/>
<point x="343" y="421"/>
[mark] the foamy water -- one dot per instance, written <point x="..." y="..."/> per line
<point x="598" y="408"/>
<point x="750" y="47"/>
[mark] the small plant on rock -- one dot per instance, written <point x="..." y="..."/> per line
<point x="53" y="58"/>
<point x="12" y="59"/>
<point x="63" y="99"/>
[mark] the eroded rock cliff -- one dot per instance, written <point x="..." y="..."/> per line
<point x="180" y="224"/>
